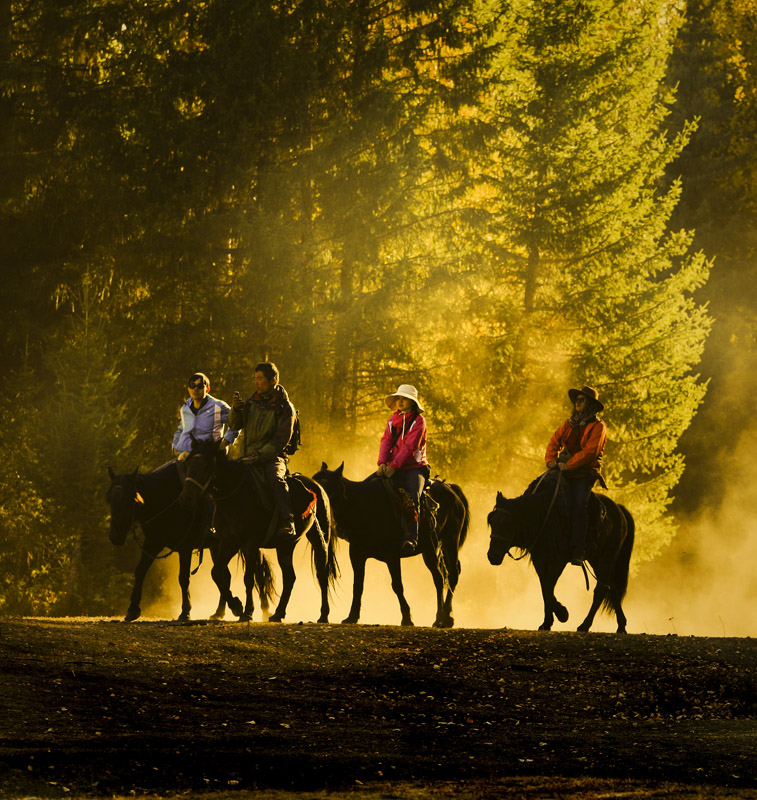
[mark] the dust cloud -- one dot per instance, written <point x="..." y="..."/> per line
<point x="703" y="584"/>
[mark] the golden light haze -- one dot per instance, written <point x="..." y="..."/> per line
<point x="703" y="584"/>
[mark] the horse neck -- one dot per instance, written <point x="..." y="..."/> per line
<point x="229" y="476"/>
<point x="157" y="489"/>
<point x="351" y="507"/>
<point x="532" y="510"/>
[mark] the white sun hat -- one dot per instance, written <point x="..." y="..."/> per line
<point x="404" y="390"/>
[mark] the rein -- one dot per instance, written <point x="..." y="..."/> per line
<point x="530" y="548"/>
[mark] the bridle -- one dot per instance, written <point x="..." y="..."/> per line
<point x="137" y="501"/>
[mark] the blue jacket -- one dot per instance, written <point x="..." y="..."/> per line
<point x="207" y="423"/>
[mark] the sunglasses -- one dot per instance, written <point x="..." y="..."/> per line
<point x="196" y="385"/>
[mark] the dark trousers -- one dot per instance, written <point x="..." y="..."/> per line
<point x="412" y="481"/>
<point x="578" y="492"/>
<point x="275" y="472"/>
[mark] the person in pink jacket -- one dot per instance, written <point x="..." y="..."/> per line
<point x="402" y="453"/>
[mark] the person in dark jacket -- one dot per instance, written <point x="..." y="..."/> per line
<point x="266" y="420"/>
<point x="402" y="453"/>
<point x="576" y="448"/>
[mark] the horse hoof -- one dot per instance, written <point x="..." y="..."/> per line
<point x="275" y="618"/>
<point x="183" y="617"/>
<point x="132" y="615"/>
<point x="350" y="621"/>
<point x="545" y="627"/>
<point x="217" y="617"/>
<point x="561" y="613"/>
<point x="245" y="618"/>
<point x="407" y="623"/>
<point x="582" y="629"/>
<point x="236" y="607"/>
<point x="323" y="618"/>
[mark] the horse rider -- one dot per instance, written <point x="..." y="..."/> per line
<point x="203" y="416"/>
<point x="402" y="454"/>
<point x="576" y="448"/>
<point x="266" y="420"/>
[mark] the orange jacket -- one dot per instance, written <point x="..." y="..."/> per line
<point x="592" y="445"/>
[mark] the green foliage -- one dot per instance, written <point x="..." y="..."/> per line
<point x="466" y="196"/>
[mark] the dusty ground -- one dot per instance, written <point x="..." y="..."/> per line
<point x="104" y="707"/>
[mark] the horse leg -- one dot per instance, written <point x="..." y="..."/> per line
<point x="321" y="556"/>
<point x="548" y="579"/>
<point x="185" y="562"/>
<point x="288" y="577"/>
<point x="222" y="578"/>
<point x="249" y="586"/>
<point x="395" y="570"/>
<point x="357" y="560"/>
<point x="450" y="550"/>
<point x="143" y="565"/>
<point x="430" y="560"/>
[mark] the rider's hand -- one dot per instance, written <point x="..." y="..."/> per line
<point x="551" y="464"/>
<point x="183" y="456"/>
<point x="562" y="466"/>
<point x="389" y="470"/>
<point x="381" y="470"/>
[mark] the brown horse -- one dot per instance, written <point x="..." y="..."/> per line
<point x="243" y="519"/>
<point x="151" y="501"/>
<point x="537" y="526"/>
<point x="366" y="518"/>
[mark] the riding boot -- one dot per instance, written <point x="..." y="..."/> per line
<point x="409" y="536"/>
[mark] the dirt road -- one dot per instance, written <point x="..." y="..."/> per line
<point x="103" y="707"/>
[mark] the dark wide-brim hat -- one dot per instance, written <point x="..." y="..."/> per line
<point x="589" y="393"/>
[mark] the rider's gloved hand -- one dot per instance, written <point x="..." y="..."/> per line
<point x="183" y="456"/>
<point x="389" y="471"/>
<point x="551" y="464"/>
<point x="563" y="466"/>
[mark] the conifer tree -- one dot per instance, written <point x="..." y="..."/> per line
<point x="587" y="285"/>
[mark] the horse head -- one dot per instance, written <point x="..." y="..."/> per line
<point x="124" y="500"/>
<point x="503" y="526"/>
<point x="201" y="467"/>
<point x="331" y="480"/>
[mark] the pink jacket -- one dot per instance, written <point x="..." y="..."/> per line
<point x="409" y="436"/>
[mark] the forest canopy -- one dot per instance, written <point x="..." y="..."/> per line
<point x="481" y="199"/>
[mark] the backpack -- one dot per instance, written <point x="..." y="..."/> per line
<point x="295" y="441"/>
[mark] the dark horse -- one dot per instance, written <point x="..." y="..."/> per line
<point x="536" y="525"/>
<point x="366" y="518"/>
<point x="152" y="502"/>
<point x="245" y="519"/>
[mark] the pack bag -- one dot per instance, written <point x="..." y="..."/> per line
<point x="295" y="441"/>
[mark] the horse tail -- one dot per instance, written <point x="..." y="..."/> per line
<point x="265" y="580"/>
<point x="466" y="519"/>
<point x="620" y="568"/>
<point x="324" y="516"/>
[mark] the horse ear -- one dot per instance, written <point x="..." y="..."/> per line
<point x="324" y="466"/>
<point x="111" y="473"/>
<point x="340" y="469"/>
<point x="500" y="499"/>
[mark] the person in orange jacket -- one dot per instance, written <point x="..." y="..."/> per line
<point x="576" y="448"/>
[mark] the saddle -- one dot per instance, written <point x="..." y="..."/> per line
<point x="596" y="511"/>
<point x="405" y="512"/>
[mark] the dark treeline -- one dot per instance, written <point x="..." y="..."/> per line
<point x="493" y="202"/>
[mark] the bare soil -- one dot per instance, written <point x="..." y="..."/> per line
<point x="101" y="707"/>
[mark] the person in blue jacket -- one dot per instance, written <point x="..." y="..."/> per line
<point x="202" y="415"/>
